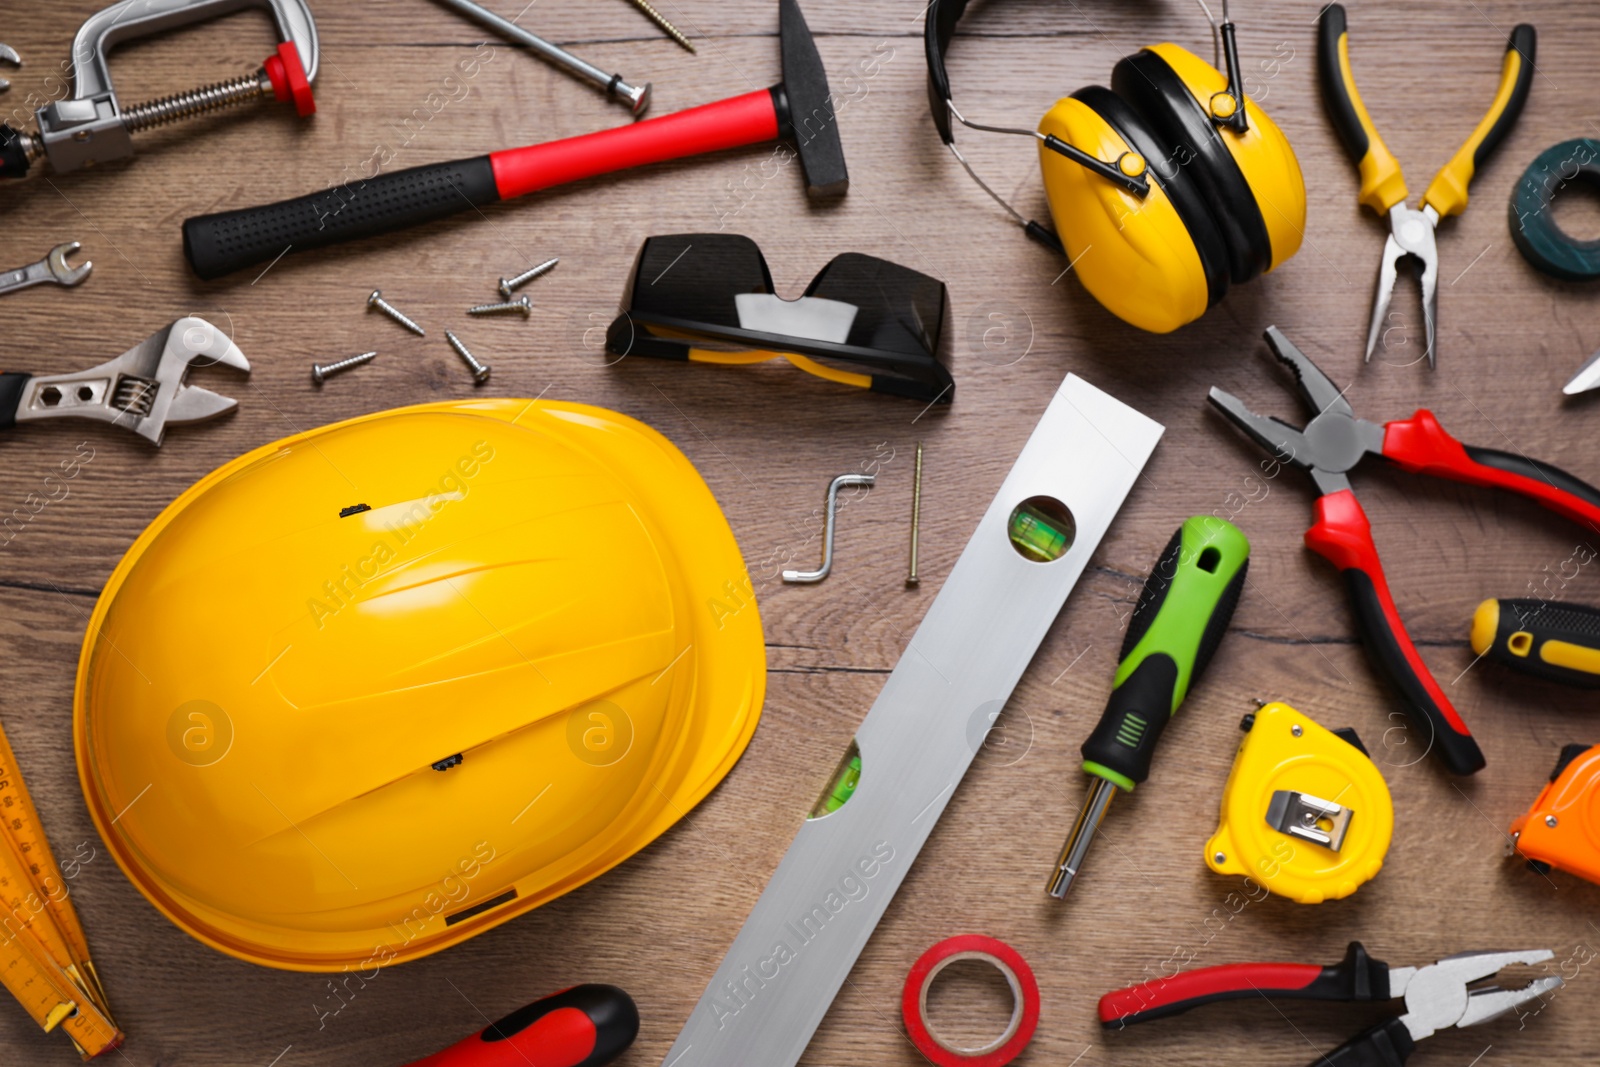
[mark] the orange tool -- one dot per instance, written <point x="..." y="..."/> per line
<point x="1562" y="829"/>
<point x="44" y="957"/>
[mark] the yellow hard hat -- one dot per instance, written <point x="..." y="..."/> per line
<point x="370" y="690"/>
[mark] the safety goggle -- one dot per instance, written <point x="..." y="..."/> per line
<point x="863" y="321"/>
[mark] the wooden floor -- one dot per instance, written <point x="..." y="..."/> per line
<point x="767" y="441"/>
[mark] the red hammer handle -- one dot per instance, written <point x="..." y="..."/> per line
<point x="365" y="207"/>
<point x="732" y="123"/>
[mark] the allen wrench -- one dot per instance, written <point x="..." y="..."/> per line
<point x="844" y="481"/>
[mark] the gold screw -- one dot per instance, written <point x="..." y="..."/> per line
<point x="661" y="20"/>
<point x="916" y="518"/>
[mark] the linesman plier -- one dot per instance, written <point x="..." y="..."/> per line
<point x="1383" y="186"/>
<point x="1332" y="444"/>
<point x="1437" y="996"/>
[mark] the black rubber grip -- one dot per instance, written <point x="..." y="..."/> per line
<point x="1385" y="1045"/>
<point x="1523" y="40"/>
<point x="1459" y="751"/>
<point x="13" y="158"/>
<point x="1532" y="469"/>
<point x="11" y="388"/>
<point x="1331" y="26"/>
<point x="368" y="207"/>
<point x="1125" y="738"/>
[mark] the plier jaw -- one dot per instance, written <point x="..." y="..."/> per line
<point x="1440" y="995"/>
<point x="1332" y="443"/>
<point x="1411" y="233"/>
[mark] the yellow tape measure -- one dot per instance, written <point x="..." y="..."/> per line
<point x="44" y="956"/>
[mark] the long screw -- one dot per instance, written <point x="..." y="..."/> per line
<point x="524" y="306"/>
<point x="320" y="373"/>
<point x="916" y="518"/>
<point x="376" y="300"/>
<point x="480" y="371"/>
<point x="638" y="98"/>
<point x="511" y="285"/>
<point x="661" y="20"/>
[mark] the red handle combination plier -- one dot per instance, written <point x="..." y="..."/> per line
<point x="1334" y="442"/>
<point x="1437" y="996"/>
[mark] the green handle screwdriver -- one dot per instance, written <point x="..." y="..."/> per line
<point x="1181" y="616"/>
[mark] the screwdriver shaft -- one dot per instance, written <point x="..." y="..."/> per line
<point x="1083" y="831"/>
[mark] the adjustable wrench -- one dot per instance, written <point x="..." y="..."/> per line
<point x="141" y="390"/>
<point x="52" y="268"/>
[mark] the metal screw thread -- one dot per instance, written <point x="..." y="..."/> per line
<point x="480" y="371"/>
<point x="916" y="517"/>
<point x="661" y="20"/>
<point x="319" y="371"/>
<point x="523" y="306"/>
<point x="200" y="101"/>
<point x="511" y="285"/>
<point x="376" y="300"/>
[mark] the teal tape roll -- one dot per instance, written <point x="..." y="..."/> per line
<point x="1533" y="226"/>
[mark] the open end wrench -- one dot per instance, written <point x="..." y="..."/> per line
<point x="52" y="268"/>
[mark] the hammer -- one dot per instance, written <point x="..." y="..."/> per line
<point x="798" y="109"/>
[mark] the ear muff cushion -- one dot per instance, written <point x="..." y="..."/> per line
<point x="1179" y="186"/>
<point x="1172" y="109"/>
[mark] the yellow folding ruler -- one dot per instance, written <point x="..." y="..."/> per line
<point x="44" y="957"/>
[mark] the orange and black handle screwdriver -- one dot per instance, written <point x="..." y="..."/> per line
<point x="1556" y="642"/>
<point x="585" y="1026"/>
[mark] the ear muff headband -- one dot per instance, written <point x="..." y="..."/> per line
<point x="1176" y="182"/>
<point x="936" y="33"/>
<point x="1171" y="107"/>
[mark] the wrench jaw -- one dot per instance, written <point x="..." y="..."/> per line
<point x="143" y="389"/>
<point x="62" y="271"/>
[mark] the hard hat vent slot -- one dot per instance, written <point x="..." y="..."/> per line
<point x="478" y="909"/>
<point x="354" y="509"/>
<point x="448" y="762"/>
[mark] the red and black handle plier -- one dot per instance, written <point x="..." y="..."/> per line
<point x="1437" y="996"/>
<point x="1333" y="443"/>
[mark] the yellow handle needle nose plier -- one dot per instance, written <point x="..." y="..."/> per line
<point x="1383" y="187"/>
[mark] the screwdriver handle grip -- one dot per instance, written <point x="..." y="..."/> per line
<point x="1447" y="193"/>
<point x="1382" y="183"/>
<point x="1556" y="642"/>
<point x="585" y="1026"/>
<point x="1183" y="611"/>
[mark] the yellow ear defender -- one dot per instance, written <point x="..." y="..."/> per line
<point x="1164" y="188"/>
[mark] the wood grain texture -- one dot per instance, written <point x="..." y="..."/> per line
<point x="767" y="440"/>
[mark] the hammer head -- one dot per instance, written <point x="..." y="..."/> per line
<point x="807" y="106"/>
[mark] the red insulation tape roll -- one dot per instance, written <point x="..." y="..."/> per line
<point x="1024" y="992"/>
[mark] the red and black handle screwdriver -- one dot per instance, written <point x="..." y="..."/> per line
<point x="585" y="1026"/>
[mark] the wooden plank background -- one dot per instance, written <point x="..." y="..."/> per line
<point x="767" y="440"/>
